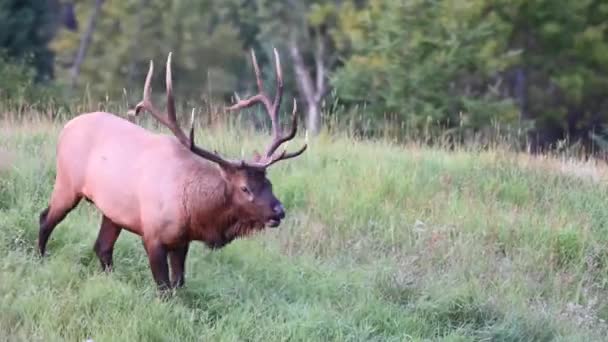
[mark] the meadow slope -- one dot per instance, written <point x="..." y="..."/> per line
<point x="382" y="243"/>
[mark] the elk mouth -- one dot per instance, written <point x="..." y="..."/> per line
<point x="273" y="222"/>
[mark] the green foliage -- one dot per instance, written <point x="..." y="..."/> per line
<point x="26" y="28"/>
<point x="19" y="89"/>
<point x="424" y="72"/>
<point x="431" y="60"/>
<point x="564" y="50"/>
<point x="207" y="50"/>
<point x="568" y="246"/>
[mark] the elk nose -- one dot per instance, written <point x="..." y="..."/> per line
<point x="279" y="211"/>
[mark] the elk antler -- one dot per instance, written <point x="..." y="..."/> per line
<point x="272" y="108"/>
<point x="170" y="121"/>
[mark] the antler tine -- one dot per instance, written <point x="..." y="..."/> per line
<point x="258" y="75"/>
<point x="260" y="97"/>
<point x="292" y="133"/>
<point x="147" y="89"/>
<point x="294" y="121"/>
<point x="276" y="105"/>
<point x="145" y="102"/>
<point x="174" y="126"/>
<point x="169" y="85"/>
<point x="284" y="156"/>
<point x="192" y="128"/>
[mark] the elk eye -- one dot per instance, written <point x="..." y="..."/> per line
<point x="245" y="190"/>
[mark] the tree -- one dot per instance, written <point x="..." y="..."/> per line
<point x="26" y="28"/>
<point x="426" y="61"/>
<point x="561" y="76"/>
<point x="542" y="63"/>
<point x="85" y="41"/>
<point x="207" y="50"/>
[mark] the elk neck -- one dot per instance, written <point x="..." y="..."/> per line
<point x="211" y="217"/>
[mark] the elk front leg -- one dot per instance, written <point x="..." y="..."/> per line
<point x="157" y="256"/>
<point x="178" y="265"/>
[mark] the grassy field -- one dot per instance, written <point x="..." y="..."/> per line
<point x="382" y="243"/>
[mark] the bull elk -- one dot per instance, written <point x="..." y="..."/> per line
<point x="163" y="188"/>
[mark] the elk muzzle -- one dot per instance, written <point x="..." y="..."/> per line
<point x="278" y="214"/>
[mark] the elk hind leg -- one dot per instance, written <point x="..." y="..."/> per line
<point x="62" y="202"/>
<point x="104" y="245"/>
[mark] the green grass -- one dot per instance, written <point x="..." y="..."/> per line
<point x="382" y="243"/>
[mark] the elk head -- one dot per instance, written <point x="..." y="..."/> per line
<point x="249" y="190"/>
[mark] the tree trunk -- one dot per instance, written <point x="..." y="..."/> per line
<point x="309" y="92"/>
<point x="85" y="42"/>
<point x="313" y="120"/>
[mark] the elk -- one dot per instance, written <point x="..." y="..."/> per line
<point x="165" y="188"/>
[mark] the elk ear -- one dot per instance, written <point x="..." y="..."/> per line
<point x="228" y="171"/>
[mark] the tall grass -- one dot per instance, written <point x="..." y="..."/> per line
<point x="382" y="242"/>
